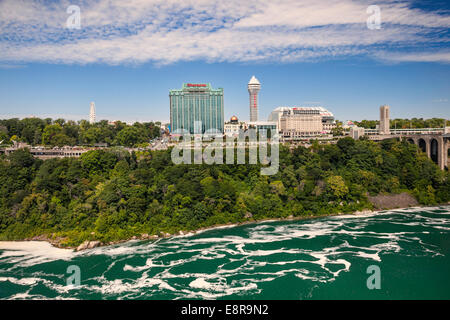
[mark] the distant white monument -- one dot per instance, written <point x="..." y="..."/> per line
<point x="384" y="120"/>
<point x="92" y="113"/>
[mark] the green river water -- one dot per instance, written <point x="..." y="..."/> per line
<point x="325" y="258"/>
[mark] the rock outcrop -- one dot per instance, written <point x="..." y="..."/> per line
<point x="146" y="236"/>
<point x="88" y="245"/>
<point x="392" y="201"/>
<point x="165" y="234"/>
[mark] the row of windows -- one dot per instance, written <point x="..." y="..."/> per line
<point x="300" y="112"/>
<point x="196" y="107"/>
<point x="300" y="134"/>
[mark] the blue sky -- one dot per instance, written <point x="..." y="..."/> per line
<point x="127" y="56"/>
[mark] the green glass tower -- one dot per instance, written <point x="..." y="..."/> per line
<point x="196" y="104"/>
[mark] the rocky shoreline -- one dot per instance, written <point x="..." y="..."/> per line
<point x="393" y="201"/>
<point x="90" y="244"/>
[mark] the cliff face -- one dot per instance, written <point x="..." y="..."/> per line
<point x="393" y="201"/>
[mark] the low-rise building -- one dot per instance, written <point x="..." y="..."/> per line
<point x="232" y="128"/>
<point x="270" y="127"/>
<point x="48" y="153"/>
<point x="300" y="122"/>
<point x="356" y="132"/>
<point x="298" y="126"/>
<point x="348" y="124"/>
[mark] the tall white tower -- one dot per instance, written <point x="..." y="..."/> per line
<point x="384" y="127"/>
<point x="92" y="114"/>
<point x="253" y="88"/>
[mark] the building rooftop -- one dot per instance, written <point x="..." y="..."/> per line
<point x="322" y="111"/>
<point x="253" y="80"/>
<point x="195" y="87"/>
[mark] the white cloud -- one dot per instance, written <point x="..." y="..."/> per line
<point x="443" y="56"/>
<point x="319" y="13"/>
<point x="440" y="100"/>
<point x="137" y="31"/>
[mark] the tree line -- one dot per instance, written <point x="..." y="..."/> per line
<point x="109" y="195"/>
<point x="414" y="123"/>
<point x="59" y="132"/>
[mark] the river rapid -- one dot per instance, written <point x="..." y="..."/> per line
<point x="325" y="258"/>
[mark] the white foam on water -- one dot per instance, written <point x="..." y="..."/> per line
<point x="27" y="296"/>
<point x="207" y="229"/>
<point x="119" y="286"/>
<point x="125" y="248"/>
<point x="266" y="233"/>
<point x="365" y="255"/>
<point x="27" y="253"/>
<point x="215" y="291"/>
<point x="249" y="259"/>
<point x="31" y="282"/>
<point x="201" y="283"/>
<point x="22" y="281"/>
<point x="442" y="228"/>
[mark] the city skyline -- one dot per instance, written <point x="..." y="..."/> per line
<point x="408" y="105"/>
<point x="242" y="153"/>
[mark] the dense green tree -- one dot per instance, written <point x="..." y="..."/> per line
<point x="21" y="158"/>
<point x="130" y="136"/>
<point x="98" y="161"/>
<point x="53" y="136"/>
<point x="337" y="186"/>
<point x="60" y="132"/>
<point x="111" y="194"/>
<point x="414" y="123"/>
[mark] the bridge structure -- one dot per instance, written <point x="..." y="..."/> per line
<point x="435" y="142"/>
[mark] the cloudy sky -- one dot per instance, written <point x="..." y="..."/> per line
<point x="126" y="55"/>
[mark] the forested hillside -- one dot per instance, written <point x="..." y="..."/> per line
<point x="112" y="195"/>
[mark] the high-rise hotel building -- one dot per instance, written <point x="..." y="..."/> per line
<point x="194" y="104"/>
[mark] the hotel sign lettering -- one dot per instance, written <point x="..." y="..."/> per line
<point x="196" y="85"/>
